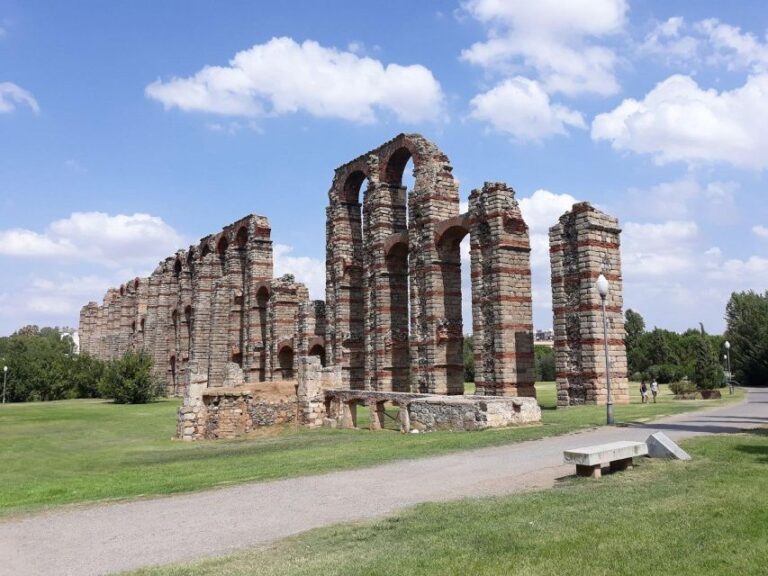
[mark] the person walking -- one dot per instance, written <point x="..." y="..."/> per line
<point x="643" y="392"/>
<point x="654" y="389"/>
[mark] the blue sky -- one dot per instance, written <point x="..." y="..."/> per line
<point x="130" y="129"/>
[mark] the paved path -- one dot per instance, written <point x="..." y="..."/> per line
<point x="107" y="538"/>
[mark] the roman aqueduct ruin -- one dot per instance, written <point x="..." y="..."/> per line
<point x="246" y="350"/>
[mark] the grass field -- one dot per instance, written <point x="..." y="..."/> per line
<point x="707" y="516"/>
<point x="87" y="450"/>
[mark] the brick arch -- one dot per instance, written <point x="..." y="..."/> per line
<point x="241" y="238"/>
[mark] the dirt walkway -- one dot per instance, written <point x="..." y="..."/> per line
<point x="108" y="538"/>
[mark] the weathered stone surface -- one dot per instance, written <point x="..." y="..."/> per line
<point x="662" y="446"/>
<point x="583" y="245"/>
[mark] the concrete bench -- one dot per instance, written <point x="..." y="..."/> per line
<point x="591" y="459"/>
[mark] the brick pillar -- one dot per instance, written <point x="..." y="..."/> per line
<point x="435" y="280"/>
<point x="258" y="275"/>
<point x="386" y="328"/>
<point x="501" y="293"/>
<point x="344" y="284"/>
<point x="584" y="244"/>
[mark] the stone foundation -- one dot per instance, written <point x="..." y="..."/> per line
<point x="231" y="412"/>
<point x="430" y="412"/>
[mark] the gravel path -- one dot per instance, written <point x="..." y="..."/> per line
<point x="101" y="539"/>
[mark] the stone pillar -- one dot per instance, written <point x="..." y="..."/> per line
<point x="344" y="281"/>
<point x="386" y="282"/>
<point x="584" y="244"/>
<point x="282" y="315"/>
<point x="436" y="336"/>
<point x="501" y="293"/>
<point x="258" y="275"/>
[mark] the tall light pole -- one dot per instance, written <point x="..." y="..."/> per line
<point x="728" y="360"/>
<point x="5" y="380"/>
<point x="602" y="289"/>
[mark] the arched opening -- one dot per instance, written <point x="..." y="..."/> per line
<point x="174" y="384"/>
<point x="188" y="321"/>
<point x="221" y="251"/>
<point x="397" y="345"/>
<point x="319" y="351"/>
<point x="241" y="239"/>
<point x="136" y="284"/>
<point x="349" y="230"/>
<point x="177" y="268"/>
<point x="122" y="290"/>
<point x="285" y="361"/>
<point x="205" y="250"/>
<point x="260" y="349"/>
<point x="467" y="315"/>
<point x="450" y="334"/>
<point x="133" y="327"/>
<point x="143" y="323"/>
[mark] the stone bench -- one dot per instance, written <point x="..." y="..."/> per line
<point x="590" y="460"/>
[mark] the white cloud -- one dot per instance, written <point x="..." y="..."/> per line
<point x="553" y="38"/>
<point x="686" y="197"/>
<point x="309" y="271"/>
<point x="760" y="231"/>
<point x="283" y="76"/>
<point x="520" y="107"/>
<point x="112" y="241"/>
<point x="667" y="39"/>
<point x="732" y="47"/>
<point x="12" y="94"/>
<point x="678" y="121"/>
<point x="656" y="250"/>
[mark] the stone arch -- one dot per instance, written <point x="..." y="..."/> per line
<point x="177" y="267"/>
<point x="358" y="282"/>
<point x="222" y="245"/>
<point x="241" y="238"/>
<point x="316" y="347"/>
<point x="285" y="359"/>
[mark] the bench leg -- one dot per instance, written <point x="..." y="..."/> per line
<point x="619" y="465"/>
<point x="590" y="471"/>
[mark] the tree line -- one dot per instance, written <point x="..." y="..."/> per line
<point x="42" y="366"/>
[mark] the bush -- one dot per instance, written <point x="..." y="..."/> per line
<point x="469" y="359"/>
<point x="682" y="387"/>
<point x="664" y="373"/>
<point x="129" y="380"/>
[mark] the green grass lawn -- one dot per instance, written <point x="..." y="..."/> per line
<point x="707" y="516"/>
<point x="76" y="451"/>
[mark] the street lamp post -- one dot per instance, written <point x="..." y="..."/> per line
<point x="5" y="380"/>
<point x="728" y="361"/>
<point x="602" y="289"/>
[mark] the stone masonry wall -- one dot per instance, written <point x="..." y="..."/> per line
<point x="501" y="294"/>
<point x="584" y="244"/>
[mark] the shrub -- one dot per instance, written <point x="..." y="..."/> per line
<point x="664" y="373"/>
<point x="129" y="380"/>
<point x="682" y="387"/>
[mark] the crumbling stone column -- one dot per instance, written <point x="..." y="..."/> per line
<point x="584" y="244"/>
<point x="501" y="293"/>
<point x="282" y="315"/>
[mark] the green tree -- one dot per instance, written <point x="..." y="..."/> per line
<point x="707" y="373"/>
<point x="545" y="363"/>
<point x="746" y="315"/>
<point x="469" y="359"/>
<point x="129" y="380"/>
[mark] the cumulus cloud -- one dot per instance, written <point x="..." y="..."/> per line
<point x="679" y="121"/>
<point x="12" y="95"/>
<point x="112" y="241"/>
<point x="732" y="47"/>
<point x="658" y="249"/>
<point x="520" y="107"/>
<point x="282" y="76"/>
<point x="307" y="270"/>
<point x="760" y="231"/>
<point x="668" y="40"/>
<point x="555" y="39"/>
<point x="686" y="197"/>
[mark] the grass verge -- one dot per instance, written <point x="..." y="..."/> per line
<point x="707" y="516"/>
<point x="77" y="451"/>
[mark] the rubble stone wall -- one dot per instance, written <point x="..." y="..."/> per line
<point x="583" y="245"/>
